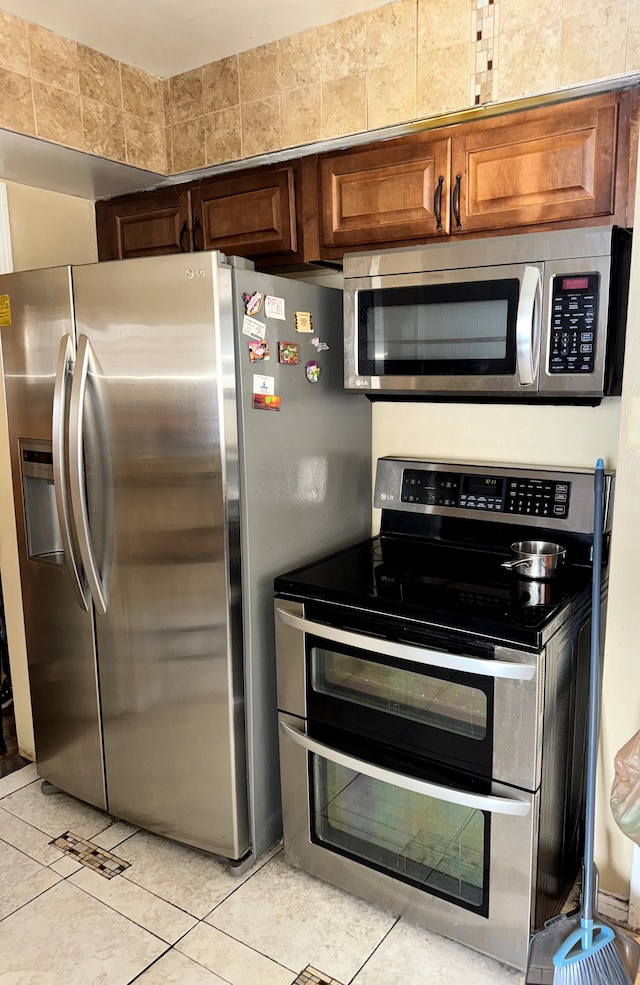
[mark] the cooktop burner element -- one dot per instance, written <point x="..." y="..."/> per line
<point x="438" y="559"/>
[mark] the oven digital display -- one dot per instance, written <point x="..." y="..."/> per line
<point x="482" y="492"/>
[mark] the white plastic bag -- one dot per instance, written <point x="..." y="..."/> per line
<point x="625" y="790"/>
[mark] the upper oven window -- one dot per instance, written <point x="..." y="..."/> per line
<point x="443" y="714"/>
<point x="448" y="704"/>
<point x="440" y="330"/>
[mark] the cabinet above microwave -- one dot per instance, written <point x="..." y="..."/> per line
<point x="534" y="317"/>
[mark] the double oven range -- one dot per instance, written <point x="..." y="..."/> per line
<point x="432" y="704"/>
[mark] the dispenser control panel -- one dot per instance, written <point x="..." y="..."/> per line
<point x="37" y="463"/>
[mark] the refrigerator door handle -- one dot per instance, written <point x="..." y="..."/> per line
<point x="60" y="397"/>
<point x="85" y="361"/>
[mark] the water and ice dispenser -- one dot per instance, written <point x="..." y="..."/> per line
<point x="44" y="540"/>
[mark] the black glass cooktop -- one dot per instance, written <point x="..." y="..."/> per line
<point x="441" y="585"/>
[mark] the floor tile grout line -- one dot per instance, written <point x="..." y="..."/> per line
<point x="125" y="875"/>
<point x="120" y="913"/>
<point x="244" y="882"/>
<point x="33" y="898"/>
<point x="249" y="946"/>
<point x="44" y="865"/>
<point x="378" y="945"/>
<point x="22" y="820"/>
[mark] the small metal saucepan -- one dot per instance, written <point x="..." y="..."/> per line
<point x="536" y="558"/>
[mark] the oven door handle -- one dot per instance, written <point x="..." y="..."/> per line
<point x="502" y="669"/>
<point x="478" y="802"/>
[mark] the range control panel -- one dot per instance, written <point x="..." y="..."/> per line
<point x="574" y="309"/>
<point x="493" y="493"/>
<point x="525" y="495"/>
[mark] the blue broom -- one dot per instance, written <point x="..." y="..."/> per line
<point x="589" y="955"/>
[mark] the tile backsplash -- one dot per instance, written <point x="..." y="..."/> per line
<point x="402" y="62"/>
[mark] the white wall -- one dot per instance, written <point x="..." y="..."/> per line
<point x="47" y="229"/>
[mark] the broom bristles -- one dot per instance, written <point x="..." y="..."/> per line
<point x="605" y="967"/>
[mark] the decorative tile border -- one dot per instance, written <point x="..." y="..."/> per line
<point x="485" y="29"/>
<point x="98" y="859"/>
<point x="310" y="976"/>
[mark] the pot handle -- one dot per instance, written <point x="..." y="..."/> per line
<point x="514" y="564"/>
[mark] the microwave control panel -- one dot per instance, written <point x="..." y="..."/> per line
<point x="574" y="309"/>
<point x="528" y="496"/>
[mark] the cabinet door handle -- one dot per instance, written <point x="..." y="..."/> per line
<point x="184" y="232"/>
<point x="456" y="201"/>
<point x="437" y="202"/>
<point x="198" y="246"/>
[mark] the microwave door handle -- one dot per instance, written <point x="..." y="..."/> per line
<point x="502" y="669"/>
<point x="478" y="802"/>
<point x="527" y="326"/>
<point x="60" y="400"/>
<point x="80" y="511"/>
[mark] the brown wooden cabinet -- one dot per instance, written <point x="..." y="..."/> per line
<point x="563" y="163"/>
<point x="144" y="224"/>
<point x="262" y="214"/>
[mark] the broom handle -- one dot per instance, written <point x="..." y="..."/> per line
<point x="588" y="903"/>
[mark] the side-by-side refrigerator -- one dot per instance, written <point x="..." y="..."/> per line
<point x="179" y="435"/>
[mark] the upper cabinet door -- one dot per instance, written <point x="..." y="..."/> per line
<point x="248" y="215"/>
<point x="145" y="224"/>
<point x="393" y="191"/>
<point x="544" y="165"/>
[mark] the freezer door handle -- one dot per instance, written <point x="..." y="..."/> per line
<point x="503" y="669"/>
<point x="478" y="802"/>
<point x="60" y="398"/>
<point x="85" y="361"/>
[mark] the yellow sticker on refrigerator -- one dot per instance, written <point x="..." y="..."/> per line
<point x="5" y="310"/>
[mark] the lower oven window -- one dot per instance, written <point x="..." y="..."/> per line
<point x="440" y="847"/>
<point x="442" y="702"/>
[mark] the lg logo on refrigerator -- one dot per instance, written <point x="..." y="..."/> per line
<point x="190" y="273"/>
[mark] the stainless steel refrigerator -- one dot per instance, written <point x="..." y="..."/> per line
<point x="179" y="436"/>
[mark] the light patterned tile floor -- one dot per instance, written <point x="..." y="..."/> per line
<point x="177" y="917"/>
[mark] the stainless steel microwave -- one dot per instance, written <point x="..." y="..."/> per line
<point x="534" y="317"/>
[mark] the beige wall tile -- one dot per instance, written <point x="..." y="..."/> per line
<point x="168" y="151"/>
<point x="166" y="101"/>
<point x="258" y="70"/>
<point x="185" y="96"/>
<point x="529" y="61"/>
<point x="344" y="106"/>
<point x="103" y="129"/>
<point x="142" y="94"/>
<point x="99" y="76"/>
<point x="14" y="44"/>
<point x="300" y="59"/>
<point x="344" y="48"/>
<point x="301" y="115"/>
<point x="633" y="39"/>
<point x="58" y="115"/>
<point x="16" y="102"/>
<point x="391" y="94"/>
<point x="221" y="85"/>
<point x="188" y="145"/>
<point x="443" y="24"/>
<point x="518" y="14"/>
<point x="443" y="80"/>
<point x="261" y="126"/>
<point x="599" y="31"/>
<point x="223" y="136"/>
<point x="391" y="33"/>
<point x="54" y="59"/>
<point x="145" y="143"/>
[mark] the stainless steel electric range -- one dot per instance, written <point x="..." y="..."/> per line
<point x="432" y="704"/>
